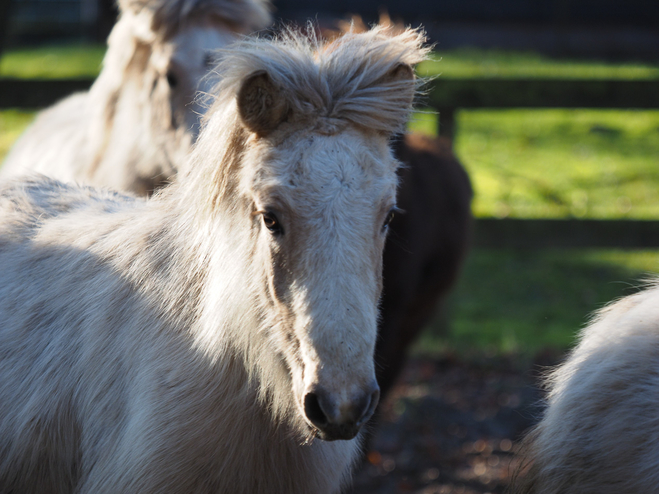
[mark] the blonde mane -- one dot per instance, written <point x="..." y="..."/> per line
<point x="341" y="80"/>
<point x="168" y="16"/>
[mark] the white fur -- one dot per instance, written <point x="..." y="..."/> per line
<point x="133" y="129"/>
<point x="600" y="432"/>
<point x="165" y="345"/>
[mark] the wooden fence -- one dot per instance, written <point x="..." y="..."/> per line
<point x="443" y="94"/>
<point x="448" y="95"/>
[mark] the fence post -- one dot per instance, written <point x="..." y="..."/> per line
<point x="447" y="122"/>
<point x="5" y="10"/>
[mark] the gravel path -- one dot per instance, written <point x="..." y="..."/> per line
<point x="450" y="427"/>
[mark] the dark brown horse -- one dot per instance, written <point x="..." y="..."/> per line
<point x="426" y="247"/>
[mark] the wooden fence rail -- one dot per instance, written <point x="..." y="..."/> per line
<point x="442" y="93"/>
<point x="448" y="95"/>
<point x="565" y="233"/>
<point x="38" y="93"/>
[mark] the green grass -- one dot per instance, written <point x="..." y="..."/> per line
<point x="524" y="302"/>
<point x="479" y="63"/>
<point x="559" y="163"/>
<point x="12" y="125"/>
<point x="52" y="62"/>
<point x="85" y="61"/>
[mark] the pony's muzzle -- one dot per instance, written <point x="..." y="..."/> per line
<point x="340" y="419"/>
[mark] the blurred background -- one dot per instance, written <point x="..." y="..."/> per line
<point x="553" y="108"/>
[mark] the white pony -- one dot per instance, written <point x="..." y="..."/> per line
<point x="134" y="127"/>
<point x="600" y="432"/>
<point x="219" y="336"/>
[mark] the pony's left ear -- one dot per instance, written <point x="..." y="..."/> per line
<point x="261" y="104"/>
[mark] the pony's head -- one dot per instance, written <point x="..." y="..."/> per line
<point x="182" y="36"/>
<point x="159" y="56"/>
<point x="307" y="169"/>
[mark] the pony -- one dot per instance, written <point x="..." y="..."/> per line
<point x="600" y="430"/>
<point x="218" y="336"/>
<point x="134" y="127"/>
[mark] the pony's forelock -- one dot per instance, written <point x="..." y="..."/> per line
<point x="344" y="79"/>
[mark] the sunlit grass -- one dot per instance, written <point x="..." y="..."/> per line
<point x="480" y="63"/>
<point x="562" y="163"/>
<point x="85" y="61"/>
<point x="558" y="163"/>
<point x="523" y="302"/>
<point x="12" y="125"/>
<point x="50" y="62"/>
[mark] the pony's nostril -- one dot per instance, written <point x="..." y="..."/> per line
<point x="370" y="404"/>
<point x="313" y="411"/>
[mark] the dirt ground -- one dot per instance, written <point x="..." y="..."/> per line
<point x="451" y="427"/>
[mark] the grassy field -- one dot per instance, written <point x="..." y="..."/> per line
<point x="562" y="163"/>
<point x="559" y="163"/>
<point x="85" y="61"/>
<point x="53" y="62"/>
<point x="523" y="163"/>
<point x="12" y="125"/>
<point x="525" y="302"/>
<point x="479" y="63"/>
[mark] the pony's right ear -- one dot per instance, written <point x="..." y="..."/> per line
<point x="402" y="73"/>
<point x="261" y="104"/>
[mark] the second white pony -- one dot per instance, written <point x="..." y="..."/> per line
<point x="133" y="129"/>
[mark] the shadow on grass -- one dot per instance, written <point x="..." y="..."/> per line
<point x="524" y="302"/>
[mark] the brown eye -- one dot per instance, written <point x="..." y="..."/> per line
<point x="272" y="223"/>
<point x="388" y="219"/>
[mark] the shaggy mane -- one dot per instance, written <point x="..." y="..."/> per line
<point x="343" y="79"/>
<point x="169" y="15"/>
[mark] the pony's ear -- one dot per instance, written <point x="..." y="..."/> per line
<point x="261" y="104"/>
<point x="402" y="73"/>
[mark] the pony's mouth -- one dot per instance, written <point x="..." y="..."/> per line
<point x="342" y="432"/>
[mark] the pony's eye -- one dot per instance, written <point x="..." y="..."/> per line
<point x="272" y="223"/>
<point x="388" y="219"/>
<point x="172" y="80"/>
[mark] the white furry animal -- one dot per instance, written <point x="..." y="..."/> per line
<point x="134" y="127"/>
<point x="219" y="336"/>
<point x="600" y="432"/>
